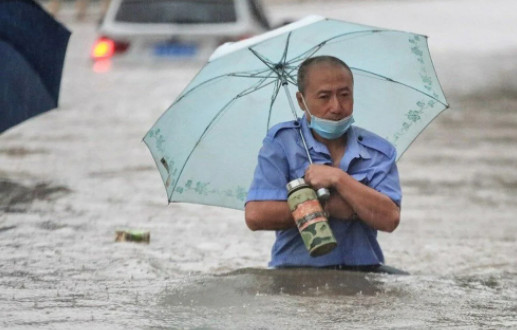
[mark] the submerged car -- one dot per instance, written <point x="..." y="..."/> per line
<point x="175" y="28"/>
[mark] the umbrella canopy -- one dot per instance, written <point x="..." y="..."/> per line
<point x="206" y="144"/>
<point x="32" y="49"/>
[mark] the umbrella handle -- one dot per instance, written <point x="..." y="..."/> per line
<point x="323" y="194"/>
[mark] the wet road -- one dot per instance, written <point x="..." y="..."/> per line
<point x="70" y="178"/>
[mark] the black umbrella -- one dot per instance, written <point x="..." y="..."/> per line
<point x="32" y="52"/>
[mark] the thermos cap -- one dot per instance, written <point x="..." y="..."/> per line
<point x="296" y="183"/>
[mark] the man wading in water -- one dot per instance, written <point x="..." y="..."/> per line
<point x="356" y="165"/>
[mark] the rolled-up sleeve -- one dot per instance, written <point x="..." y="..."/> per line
<point x="270" y="178"/>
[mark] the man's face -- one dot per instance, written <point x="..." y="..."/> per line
<point x="328" y="92"/>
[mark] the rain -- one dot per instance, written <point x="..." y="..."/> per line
<point x="72" y="177"/>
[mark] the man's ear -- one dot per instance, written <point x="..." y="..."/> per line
<point x="300" y="100"/>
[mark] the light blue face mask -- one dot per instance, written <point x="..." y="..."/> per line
<point x="329" y="129"/>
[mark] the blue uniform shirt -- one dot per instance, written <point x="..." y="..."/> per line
<point x="368" y="158"/>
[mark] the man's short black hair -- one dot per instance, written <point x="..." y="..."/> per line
<point x="304" y="67"/>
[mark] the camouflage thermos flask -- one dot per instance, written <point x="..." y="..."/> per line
<point x="310" y="218"/>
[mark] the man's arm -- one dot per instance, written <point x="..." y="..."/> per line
<point x="275" y="215"/>
<point x="371" y="206"/>
<point x="268" y="215"/>
<point x="266" y="207"/>
<point x="337" y="207"/>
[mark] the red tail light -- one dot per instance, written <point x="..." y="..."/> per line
<point x="103" y="48"/>
<point x="106" y="48"/>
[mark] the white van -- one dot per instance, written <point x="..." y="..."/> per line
<point x="176" y="28"/>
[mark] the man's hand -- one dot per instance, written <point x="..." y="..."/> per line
<point x="371" y="206"/>
<point x="325" y="176"/>
<point x="322" y="176"/>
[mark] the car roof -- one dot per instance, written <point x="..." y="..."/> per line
<point x="127" y="18"/>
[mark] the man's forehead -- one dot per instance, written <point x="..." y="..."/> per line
<point x="324" y="66"/>
<point x="321" y="71"/>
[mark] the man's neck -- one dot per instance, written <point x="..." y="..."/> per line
<point x="336" y="147"/>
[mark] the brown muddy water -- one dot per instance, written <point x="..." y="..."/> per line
<point x="60" y="267"/>
<point x="72" y="177"/>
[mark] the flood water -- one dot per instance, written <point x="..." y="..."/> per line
<point x="72" y="177"/>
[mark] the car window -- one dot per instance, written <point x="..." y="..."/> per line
<point x="176" y="11"/>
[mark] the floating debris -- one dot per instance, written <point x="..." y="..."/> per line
<point x="139" y="236"/>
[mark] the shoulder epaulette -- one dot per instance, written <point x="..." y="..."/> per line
<point x="273" y="131"/>
<point x="374" y="141"/>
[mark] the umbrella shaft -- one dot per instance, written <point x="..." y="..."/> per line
<point x="291" y="104"/>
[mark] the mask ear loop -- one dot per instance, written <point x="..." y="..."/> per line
<point x="306" y="106"/>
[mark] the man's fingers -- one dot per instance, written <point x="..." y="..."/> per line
<point x="315" y="177"/>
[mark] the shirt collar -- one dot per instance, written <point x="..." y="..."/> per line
<point x="355" y="149"/>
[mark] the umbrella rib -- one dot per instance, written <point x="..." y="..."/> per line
<point x="269" y="72"/>
<point x="381" y="77"/>
<point x="316" y="48"/>
<point x="239" y="74"/>
<point x="278" y="68"/>
<point x="311" y="51"/>
<point x="219" y="113"/>
<point x="199" y="140"/>
<point x="286" y="48"/>
<point x="254" y="88"/>
<point x="273" y="99"/>
<point x="260" y="84"/>
<point x="251" y="74"/>
<point x="290" y="78"/>
<point x="266" y="62"/>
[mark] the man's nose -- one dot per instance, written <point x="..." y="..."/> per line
<point x="334" y="104"/>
